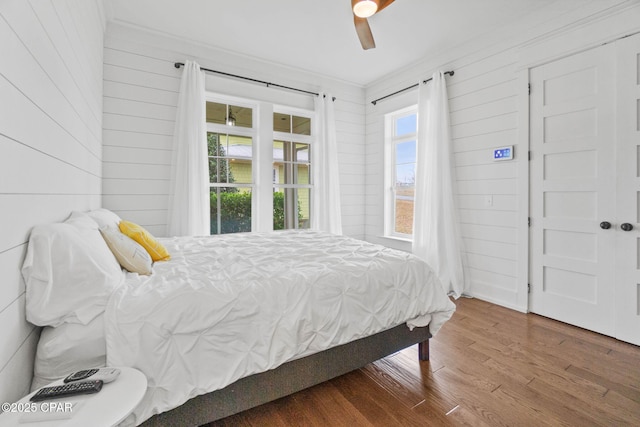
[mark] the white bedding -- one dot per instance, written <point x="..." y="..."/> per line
<point x="230" y="306"/>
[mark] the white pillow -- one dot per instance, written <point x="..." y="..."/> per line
<point x="129" y="253"/>
<point x="68" y="348"/>
<point x="104" y="218"/>
<point x="69" y="272"/>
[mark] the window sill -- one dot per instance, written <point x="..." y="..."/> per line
<point x="394" y="242"/>
<point x="397" y="238"/>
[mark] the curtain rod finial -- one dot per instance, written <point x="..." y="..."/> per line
<point x="177" y="64"/>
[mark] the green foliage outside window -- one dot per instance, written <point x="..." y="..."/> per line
<point x="236" y="212"/>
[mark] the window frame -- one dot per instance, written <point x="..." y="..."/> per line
<point x="390" y="143"/>
<point x="297" y="138"/>
<point x="262" y="135"/>
<point x="226" y="129"/>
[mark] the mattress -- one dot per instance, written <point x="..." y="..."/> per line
<point x="229" y="306"/>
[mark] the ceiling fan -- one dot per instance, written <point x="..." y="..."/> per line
<point x="362" y="9"/>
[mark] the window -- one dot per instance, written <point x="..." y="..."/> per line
<point x="238" y="198"/>
<point x="230" y="137"/>
<point x="400" y="171"/>
<point x="292" y="171"/>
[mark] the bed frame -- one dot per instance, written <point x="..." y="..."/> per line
<point x="292" y="377"/>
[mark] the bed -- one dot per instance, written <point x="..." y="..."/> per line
<point x="230" y="322"/>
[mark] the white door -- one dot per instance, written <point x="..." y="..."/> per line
<point x="585" y="189"/>
<point x="572" y="141"/>
<point x="628" y="190"/>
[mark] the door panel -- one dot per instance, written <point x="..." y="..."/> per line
<point x="572" y="189"/>
<point x="628" y="189"/>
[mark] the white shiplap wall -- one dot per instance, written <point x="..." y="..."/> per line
<point x="489" y="109"/>
<point x="50" y="147"/>
<point x="140" y="97"/>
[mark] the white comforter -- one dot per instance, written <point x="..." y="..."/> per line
<point x="230" y="306"/>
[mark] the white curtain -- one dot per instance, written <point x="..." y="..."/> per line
<point x="436" y="235"/>
<point x="326" y="214"/>
<point x="189" y="188"/>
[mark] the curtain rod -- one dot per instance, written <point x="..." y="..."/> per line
<point x="181" y="64"/>
<point x="451" y="73"/>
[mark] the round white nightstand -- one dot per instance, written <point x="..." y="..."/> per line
<point x="108" y="407"/>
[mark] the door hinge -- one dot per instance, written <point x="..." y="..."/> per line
<point x="529" y="155"/>
<point x="529" y="221"/>
<point x="529" y="88"/>
<point x="528" y="288"/>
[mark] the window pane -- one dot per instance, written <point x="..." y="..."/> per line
<point x="278" y="151"/>
<point x="301" y="174"/>
<point x="301" y="125"/>
<point x="301" y="153"/>
<point x="216" y="113"/>
<point x="240" y="153"/>
<point x="218" y="163"/>
<point x="230" y="210"/>
<point x="219" y="170"/>
<point x="291" y="169"/>
<point x="282" y="151"/>
<point x="232" y="115"/>
<point x="405" y="125"/>
<point x="406" y="152"/>
<point x="304" y="207"/>
<point x="404" y="209"/>
<point x="278" y="209"/>
<point x="405" y="174"/>
<point x="281" y="122"/>
<point x="230" y="158"/>
<point x="291" y="208"/>
<point x="213" y="143"/>
<point x="240" y="116"/>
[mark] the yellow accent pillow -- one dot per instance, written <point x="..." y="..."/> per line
<point x="157" y="251"/>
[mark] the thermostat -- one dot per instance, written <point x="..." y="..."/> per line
<point x="503" y="153"/>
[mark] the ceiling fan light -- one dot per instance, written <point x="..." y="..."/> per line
<point x="365" y="8"/>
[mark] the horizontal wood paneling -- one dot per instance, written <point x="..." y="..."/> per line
<point x="50" y="147"/>
<point x="141" y="92"/>
<point x="19" y="368"/>
<point x="483" y="105"/>
<point x="10" y="263"/>
<point x="136" y="170"/>
<point x="20" y="112"/>
<point x="118" y="138"/>
<point x="143" y="186"/>
<point x="139" y="109"/>
<point x="151" y="95"/>
<point x="63" y="177"/>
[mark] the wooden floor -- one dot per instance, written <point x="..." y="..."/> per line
<point x="490" y="366"/>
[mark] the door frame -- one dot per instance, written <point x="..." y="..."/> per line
<point x="541" y="51"/>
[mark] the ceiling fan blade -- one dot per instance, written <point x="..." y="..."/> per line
<point x="364" y="33"/>
<point x="383" y="3"/>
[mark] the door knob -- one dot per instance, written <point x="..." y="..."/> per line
<point x="626" y="226"/>
<point x="605" y="225"/>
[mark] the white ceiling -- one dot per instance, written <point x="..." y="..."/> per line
<point x="318" y="35"/>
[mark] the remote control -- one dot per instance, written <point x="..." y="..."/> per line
<point x="106" y="375"/>
<point x="64" y="390"/>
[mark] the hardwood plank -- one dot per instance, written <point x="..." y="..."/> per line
<point x="490" y="366"/>
<point x="607" y="381"/>
<point x="626" y="408"/>
<point x="379" y="409"/>
<point x="580" y="408"/>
